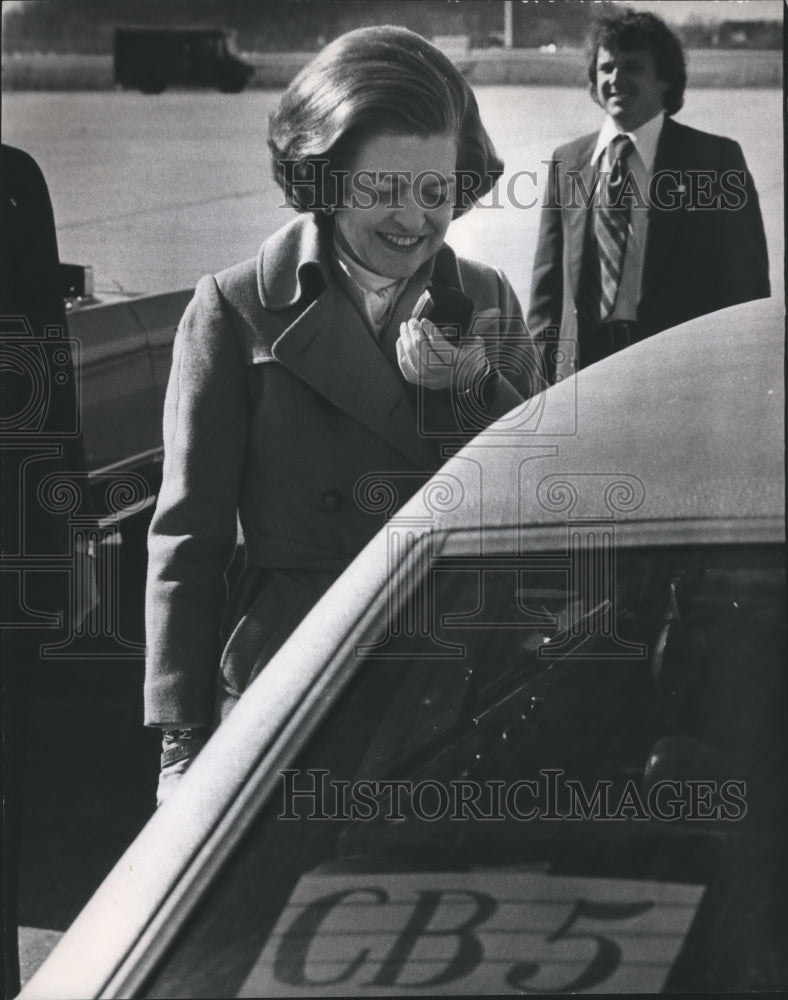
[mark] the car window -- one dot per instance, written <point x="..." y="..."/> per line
<point x="584" y="688"/>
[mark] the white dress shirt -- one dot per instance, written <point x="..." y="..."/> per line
<point x="640" y="164"/>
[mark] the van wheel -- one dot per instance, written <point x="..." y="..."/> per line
<point x="152" y="86"/>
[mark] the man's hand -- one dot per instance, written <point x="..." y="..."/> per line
<point x="426" y="358"/>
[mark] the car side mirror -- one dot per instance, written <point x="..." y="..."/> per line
<point x="76" y="281"/>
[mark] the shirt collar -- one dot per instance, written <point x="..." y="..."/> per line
<point x="644" y="139"/>
<point x="367" y="280"/>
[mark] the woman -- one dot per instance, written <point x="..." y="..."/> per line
<point x="298" y="372"/>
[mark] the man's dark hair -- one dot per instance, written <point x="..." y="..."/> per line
<point x="640" y="30"/>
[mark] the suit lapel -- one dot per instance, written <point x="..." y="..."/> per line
<point x="329" y="347"/>
<point x="578" y="193"/>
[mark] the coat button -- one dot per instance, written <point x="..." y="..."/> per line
<point x="331" y="501"/>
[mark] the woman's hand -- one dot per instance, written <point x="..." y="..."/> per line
<point x="169" y="777"/>
<point x="179" y="748"/>
<point x="426" y="358"/>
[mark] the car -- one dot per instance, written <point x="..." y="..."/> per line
<point x="124" y="346"/>
<point x="532" y="740"/>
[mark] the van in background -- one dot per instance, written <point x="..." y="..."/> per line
<point x="151" y="59"/>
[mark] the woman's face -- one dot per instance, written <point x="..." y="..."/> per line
<point x="398" y="201"/>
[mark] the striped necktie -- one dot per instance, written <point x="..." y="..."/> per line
<point x="610" y="229"/>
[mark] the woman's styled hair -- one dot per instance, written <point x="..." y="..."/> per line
<point x="367" y="82"/>
<point x="641" y="30"/>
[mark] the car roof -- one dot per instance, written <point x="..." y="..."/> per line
<point x="689" y="422"/>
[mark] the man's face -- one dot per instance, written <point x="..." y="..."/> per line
<point x="627" y="86"/>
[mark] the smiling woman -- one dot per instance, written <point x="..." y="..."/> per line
<point x="398" y="232"/>
<point x="300" y="372"/>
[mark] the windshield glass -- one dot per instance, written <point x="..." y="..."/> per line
<point x="544" y="746"/>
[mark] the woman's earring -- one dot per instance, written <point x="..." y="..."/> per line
<point x="329" y="209"/>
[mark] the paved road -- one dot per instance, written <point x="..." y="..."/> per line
<point x="156" y="191"/>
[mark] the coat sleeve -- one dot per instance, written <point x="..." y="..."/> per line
<point x="194" y="529"/>
<point x="741" y="240"/>
<point x="547" y="284"/>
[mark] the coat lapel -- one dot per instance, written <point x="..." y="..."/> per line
<point x="329" y="347"/>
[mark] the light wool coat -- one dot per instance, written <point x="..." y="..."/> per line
<point x="280" y="401"/>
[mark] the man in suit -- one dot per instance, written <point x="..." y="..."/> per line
<point x="647" y="223"/>
<point x="38" y="408"/>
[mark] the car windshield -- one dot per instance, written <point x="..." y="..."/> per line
<point x="573" y="742"/>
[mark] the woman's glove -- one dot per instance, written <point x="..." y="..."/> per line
<point x="426" y="358"/>
<point x="179" y="748"/>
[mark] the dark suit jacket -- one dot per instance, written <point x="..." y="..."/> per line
<point x="38" y="403"/>
<point x="280" y="401"/>
<point x="697" y="259"/>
